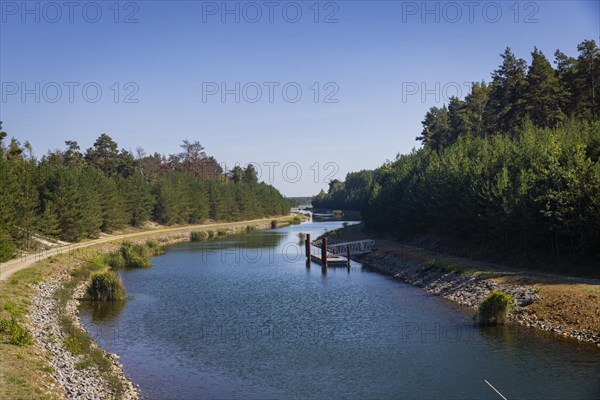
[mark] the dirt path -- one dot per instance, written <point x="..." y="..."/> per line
<point x="12" y="266"/>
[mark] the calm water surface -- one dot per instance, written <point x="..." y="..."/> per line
<point x="245" y="317"/>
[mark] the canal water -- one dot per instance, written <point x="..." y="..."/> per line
<point x="245" y="317"/>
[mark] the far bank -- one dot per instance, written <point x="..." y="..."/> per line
<point x="565" y="306"/>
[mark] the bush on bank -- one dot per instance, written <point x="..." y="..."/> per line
<point x="494" y="309"/>
<point x="106" y="286"/>
<point x="131" y="255"/>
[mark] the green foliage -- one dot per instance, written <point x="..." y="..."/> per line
<point x="14" y="333"/>
<point x="106" y="286"/>
<point x="437" y="265"/>
<point x="154" y="248"/>
<point x="348" y="195"/>
<point x="135" y="255"/>
<point x="222" y="232"/>
<point x="518" y="93"/>
<point x="441" y="266"/>
<point x="494" y="308"/>
<point x="75" y="342"/>
<point x="72" y="196"/>
<point x="536" y="193"/>
<point x="273" y="224"/>
<point x="7" y="248"/>
<point x="199" y="236"/>
<point x="14" y="309"/>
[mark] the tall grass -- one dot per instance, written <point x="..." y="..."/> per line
<point x="106" y="286"/>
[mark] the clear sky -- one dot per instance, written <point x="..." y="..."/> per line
<point x="230" y="74"/>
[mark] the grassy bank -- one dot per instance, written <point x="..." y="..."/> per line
<point x="24" y="369"/>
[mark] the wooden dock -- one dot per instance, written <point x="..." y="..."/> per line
<point x="330" y="255"/>
<point x="332" y="261"/>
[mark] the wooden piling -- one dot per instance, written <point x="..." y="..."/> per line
<point x="348" y="254"/>
<point x="324" y="252"/>
<point x="307" y="246"/>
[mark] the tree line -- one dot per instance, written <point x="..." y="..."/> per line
<point x="518" y="92"/>
<point x="514" y="168"/>
<point x="71" y="195"/>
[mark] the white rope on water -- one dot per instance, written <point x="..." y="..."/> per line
<point x="495" y="390"/>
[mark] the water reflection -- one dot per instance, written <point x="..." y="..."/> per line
<point x="252" y="240"/>
<point x="103" y="311"/>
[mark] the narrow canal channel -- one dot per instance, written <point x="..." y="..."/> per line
<point x="244" y="317"/>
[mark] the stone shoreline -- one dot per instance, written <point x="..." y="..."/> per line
<point x="467" y="290"/>
<point x="86" y="383"/>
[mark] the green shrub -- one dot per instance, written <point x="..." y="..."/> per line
<point x="106" y="286"/>
<point x="437" y="265"/>
<point x="154" y="248"/>
<point x="273" y="224"/>
<point x="7" y="248"/>
<point x="296" y="220"/>
<point x="14" y="309"/>
<point x="222" y="232"/>
<point x="115" y="260"/>
<point x="250" y="228"/>
<point x="494" y="309"/>
<point x="135" y="255"/>
<point x="15" y="333"/>
<point x="211" y="235"/>
<point x="199" y="236"/>
<point x="76" y="342"/>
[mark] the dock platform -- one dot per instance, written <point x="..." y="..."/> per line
<point x="332" y="261"/>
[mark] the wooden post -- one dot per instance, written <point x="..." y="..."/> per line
<point x="348" y="254"/>
<point x="324" y="252"/>
<point x="307" y="246"/>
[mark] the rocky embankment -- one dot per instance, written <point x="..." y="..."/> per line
<point x="76" y="383"/>
<point x="468" y="290"/>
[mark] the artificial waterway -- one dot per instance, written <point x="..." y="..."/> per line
<point x="245" y="317"/>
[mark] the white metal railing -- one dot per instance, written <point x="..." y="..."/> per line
<point x="357" y="247"/>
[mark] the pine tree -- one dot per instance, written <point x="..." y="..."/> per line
<point x="250" y="174"/>
<point x="505" y="112"/>
<point x="7" y="190"/>
<point x="587" y="77"/>
<point x="112" y="205"/>
<point x="90" y="201"/>
<point x="237" y="174"/>
<point x="436" y="128"/>
<point x="104" y="155"/>
<point x="544" y="93"/>
<point x="475" y="105"/>
<point x="138" y="200"/>
<point x="565" y="72"/>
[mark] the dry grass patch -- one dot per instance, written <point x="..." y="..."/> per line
<point x="574" y="306"/>
<point x="24" y="372"/>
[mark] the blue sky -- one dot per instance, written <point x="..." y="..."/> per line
<point x="361" y="69"/>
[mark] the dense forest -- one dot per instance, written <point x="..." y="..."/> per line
<point x="71" y="195"/>
<point x="513" y="167"/>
